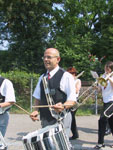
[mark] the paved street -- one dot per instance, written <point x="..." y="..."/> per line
<point x="20" y="125"/>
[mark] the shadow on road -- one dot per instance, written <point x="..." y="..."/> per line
<point x="19" y="136"/>
<point x="88" y="130"/>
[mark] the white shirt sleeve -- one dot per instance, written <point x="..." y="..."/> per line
<point x="67" y="85"/>
<point x="7" y="90"/>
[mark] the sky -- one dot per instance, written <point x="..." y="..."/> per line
<point x="4" y="46"/>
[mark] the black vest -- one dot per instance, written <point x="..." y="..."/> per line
<point x="2" y="98"/>
<point x="55" y="92"/>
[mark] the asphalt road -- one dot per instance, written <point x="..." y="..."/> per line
<point x="20" y="125"/>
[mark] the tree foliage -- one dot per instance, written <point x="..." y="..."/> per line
<point x="27" y="24"/>
<point x="104" y="32"/>
<point x="82" y="30"/>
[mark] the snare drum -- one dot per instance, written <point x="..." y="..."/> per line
<point x="48" y="138"/>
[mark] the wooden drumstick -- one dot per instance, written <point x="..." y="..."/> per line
<point x="22" y="108"/>
<point x="44" y="106"/>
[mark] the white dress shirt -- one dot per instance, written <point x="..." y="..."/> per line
<point x="7" y="90"/>
<point x="107" y="93"/>
<point x="67" y="85"/>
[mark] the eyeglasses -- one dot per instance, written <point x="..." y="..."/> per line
<point x="48" y="57"/>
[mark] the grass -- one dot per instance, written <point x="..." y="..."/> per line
<point x="81" y="112"/>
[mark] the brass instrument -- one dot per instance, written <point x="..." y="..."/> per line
<point x="90" y="91"/>
<point x="103" y="81"/>
<point x="80" y="74"/>
<point x="85" y="95"/>
<point x="99" y="80"/>
<point x="109" y="111"/>
<point x="50" y="101"/>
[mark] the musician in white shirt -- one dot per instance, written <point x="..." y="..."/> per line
<point x="107" y="95"/>
<point x="7" y="98"/>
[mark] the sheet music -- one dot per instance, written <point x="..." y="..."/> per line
<point x="94" y="74"/>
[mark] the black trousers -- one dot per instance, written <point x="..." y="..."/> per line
<point x="74" y="129"/>
<point x="102" y="123"/>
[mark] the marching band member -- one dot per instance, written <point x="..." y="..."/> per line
<point x="107" y="94"/>
<point x="63" y="87"/>
<point x="74" y="129"/>
<point x="7" y="98"/>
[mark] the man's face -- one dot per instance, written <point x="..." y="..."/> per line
<point x="51" y="59"/>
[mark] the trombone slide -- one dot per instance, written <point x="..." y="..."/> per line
<point x="109" y="111"/>
<point x="80" y="74"/>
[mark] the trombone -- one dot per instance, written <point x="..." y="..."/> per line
<point x="99" y="80"/>
<point x="86" y="95"/>
<point x="103" y="81"/>
<point x="109" y="111"/>
<point x="80" y="74"/>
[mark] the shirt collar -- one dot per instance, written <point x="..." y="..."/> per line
<point x="53" y="71"/>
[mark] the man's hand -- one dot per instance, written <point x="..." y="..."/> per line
<point x="59" y="107"/>
<point x="34" y="115"/>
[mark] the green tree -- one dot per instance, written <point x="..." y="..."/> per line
<point x="103" y="30"/>
<point x="72" y="34"/>
<point x="27" y="24"/>
<point x="77" y="28"/>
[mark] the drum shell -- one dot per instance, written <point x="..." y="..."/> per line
<point x="48" y="138"/>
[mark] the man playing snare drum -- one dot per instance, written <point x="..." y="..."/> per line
<point x="61" y="83"/>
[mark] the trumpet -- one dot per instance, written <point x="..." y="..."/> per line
<point x="103" y="81"/>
